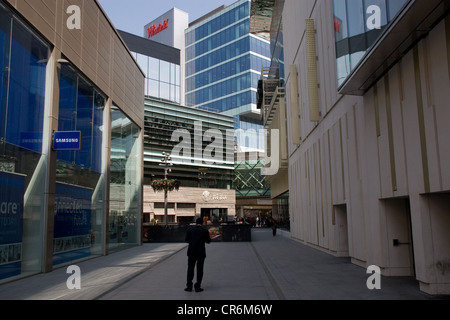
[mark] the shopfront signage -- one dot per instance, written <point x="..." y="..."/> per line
<point x="207" y="197"/>
<point x="67" y="140"/>
<point x="11" y="223"/>
<point x="153" y="30"/>
<point x="72" y="223"/>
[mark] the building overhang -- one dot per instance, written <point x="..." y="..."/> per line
<point x="413" y="23"/>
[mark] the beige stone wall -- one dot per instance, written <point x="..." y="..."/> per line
<point x="374" y="169"/>
<point x="202" y="198"/>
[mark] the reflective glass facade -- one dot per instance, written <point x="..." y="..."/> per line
<point x="223" y="65"/>
<point x="163" y="121"/>
<point x="162" y="78"/>
<point x="79" y="196"/>
<point x="55" y="203"/>
<point x="224" y="62"/>
<point x="125" y="181"/>
<point x="357" y="25"/>
<point x="23" y="61"/>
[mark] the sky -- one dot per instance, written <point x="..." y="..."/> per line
<point x="132" y="15"/>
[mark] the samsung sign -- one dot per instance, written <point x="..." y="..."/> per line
<point x="67" y="140"/>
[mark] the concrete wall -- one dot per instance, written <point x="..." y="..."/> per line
<point x="375" y="167"/>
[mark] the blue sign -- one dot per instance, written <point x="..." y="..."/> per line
<point x="11" y="223"/>
<point x="67" y="140"/>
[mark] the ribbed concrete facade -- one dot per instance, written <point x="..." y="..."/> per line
<point x="371" y="178"/>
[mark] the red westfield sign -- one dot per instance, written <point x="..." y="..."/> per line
<point x="154" y="30"/>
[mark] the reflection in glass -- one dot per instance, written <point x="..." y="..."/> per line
<point x="163" y="79"/>
<point x="23" y="171"/>
<point x="26" y="89"/>
<point x="124" y="215"/>
<point x="80" y="185"/>
<point x="356" y="30"/>
<point x="143" y="63"/>
<point x="165" y="71"/>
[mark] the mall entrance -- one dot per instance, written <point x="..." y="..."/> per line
<point x="215" y="215"/>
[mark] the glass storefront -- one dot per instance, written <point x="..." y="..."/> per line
<point x="31" y="168"/>
<point x="23" y="63"/>
<point x="357" y="25"/>
<point x="125" y="181"/>
<point x="80" y="184"/>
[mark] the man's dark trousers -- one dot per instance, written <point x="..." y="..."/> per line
<point x="192" y="261"/>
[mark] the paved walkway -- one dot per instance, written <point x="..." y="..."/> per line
<point x="268" y="268"/>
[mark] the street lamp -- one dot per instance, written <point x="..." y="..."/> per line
<point x="167" y="169"/>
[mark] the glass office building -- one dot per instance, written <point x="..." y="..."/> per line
<point x="77" y="196"/>
<point x="224" y="60"/>
<point x="223" y="64"/>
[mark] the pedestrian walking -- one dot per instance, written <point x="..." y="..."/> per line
<point x="197" y="237"/>
<point x="274" y="228"/>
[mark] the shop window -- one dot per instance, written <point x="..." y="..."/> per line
<point x="23" y="85"/>
<point x="23" y="63"/>
<point x="186" y="205"/>
<point x="81" y="109"/>
<point x="160" y="205"/>
<point x="125" y="181"/>
<point x="79" y="197"/>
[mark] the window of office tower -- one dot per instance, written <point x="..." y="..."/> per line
<point x="23" y="63"/>
<point x="223" y="61"/>
<point x="357" y="25"/>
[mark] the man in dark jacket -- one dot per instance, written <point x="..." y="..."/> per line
<point x="196" y="236"/>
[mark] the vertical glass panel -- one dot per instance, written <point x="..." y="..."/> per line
<point x="177" y="75"/>
<point x="80" y="183"/>
<point x="372" y="17"/>
<point x="153" y="88"/>
<point x="23" y="61"/>
<point x="68" y="85"/>
<point x="84" y="123"/>
<point x="164" y="91"/>
<point x="26" y="89"/>
<point x="97" y="135"/>
<point x="356" y="28"/>
<point x="165" y="71"/>
<point x="153" y="68"/>
<point x="394" y="8"/>
<point x="125" y="181"/>
<point x="143" y="63"/>
<point x="177" y="94"/>
<point x="342" y="43"/>
<point x="5" y="32"/>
